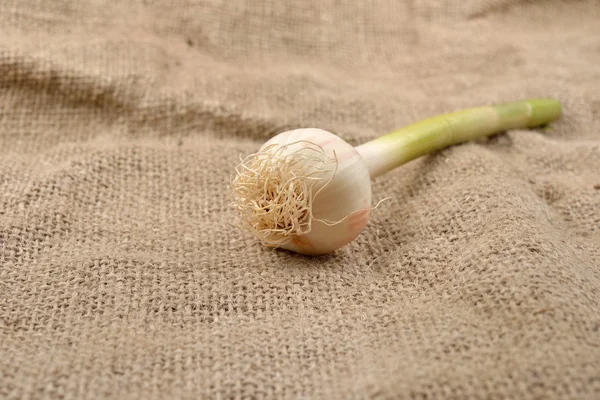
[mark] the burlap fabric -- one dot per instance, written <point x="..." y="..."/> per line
<point x="121" y="278"/>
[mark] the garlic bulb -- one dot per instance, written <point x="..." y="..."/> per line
<point x="309" y="191"/>
<point x="306" y="190"/>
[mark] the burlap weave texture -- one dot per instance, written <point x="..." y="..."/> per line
<point x="121" y="277"/>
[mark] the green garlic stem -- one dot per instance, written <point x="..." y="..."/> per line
<point x="399" y="147"/>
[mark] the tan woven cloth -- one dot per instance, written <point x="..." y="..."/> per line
<point x="121" y="278"/>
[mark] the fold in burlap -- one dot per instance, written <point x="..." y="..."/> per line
<point x="120" y="276"/>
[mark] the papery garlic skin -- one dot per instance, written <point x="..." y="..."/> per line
<point x="341" y="199"/>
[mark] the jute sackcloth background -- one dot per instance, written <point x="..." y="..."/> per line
<point x="121" y="278"/>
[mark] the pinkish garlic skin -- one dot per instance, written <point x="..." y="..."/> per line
<point x="346" y="198"/>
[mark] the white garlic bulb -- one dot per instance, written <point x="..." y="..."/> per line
<point x="305" y="190"/>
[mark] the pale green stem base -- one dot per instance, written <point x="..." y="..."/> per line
<point x="394" y="149"/>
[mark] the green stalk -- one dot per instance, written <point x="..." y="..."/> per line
<point x="394" y="149"/>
